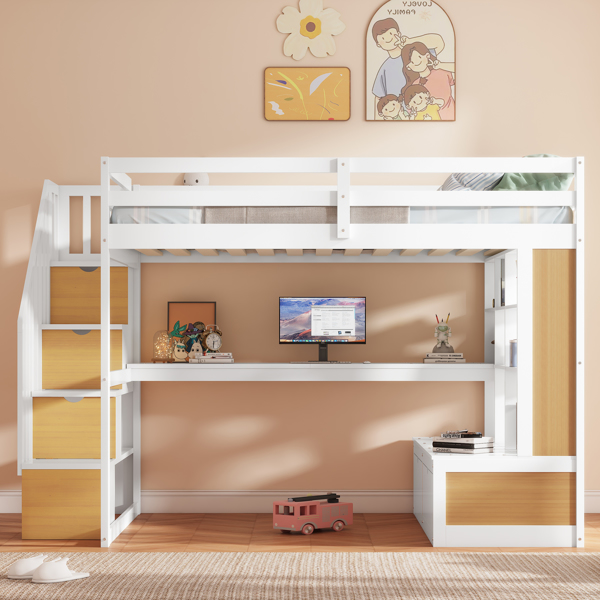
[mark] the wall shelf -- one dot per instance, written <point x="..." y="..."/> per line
<point x="507" y="307"/>
<point x="311" y="372"/>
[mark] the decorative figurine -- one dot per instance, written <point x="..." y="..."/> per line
<point x="179" y="352"/>
<point x="307" y="513"/>
<point x="195" y="350"/>
<point x="443" y="332"/>
<point x="191" y="335"/>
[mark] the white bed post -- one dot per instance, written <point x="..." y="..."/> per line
<point x="580" y="349"/>
<point x="105" y="472"/>
<point x="343" y="198"/>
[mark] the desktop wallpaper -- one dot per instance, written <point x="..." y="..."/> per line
<point x="294" y="318"/>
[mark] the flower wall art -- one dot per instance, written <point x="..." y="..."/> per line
<point x="311" y="27"/>
<point x="309" y="94"/>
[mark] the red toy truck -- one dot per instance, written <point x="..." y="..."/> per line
<point x="307" y="513"/>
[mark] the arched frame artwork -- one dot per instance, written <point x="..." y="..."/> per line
<point x="410" y="63"/>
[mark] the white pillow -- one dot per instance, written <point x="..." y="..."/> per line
<point x="475" y="182"/>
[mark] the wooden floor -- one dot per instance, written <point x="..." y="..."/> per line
<point x="254" y="533"/>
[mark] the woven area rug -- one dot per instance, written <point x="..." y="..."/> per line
<point x="318" y="576"/>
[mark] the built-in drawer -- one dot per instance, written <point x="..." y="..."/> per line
<point x="71" y="359"/>
<point x="75" y="295"/>
<point x="61" y="504"/>
<point x="67" y="429"/>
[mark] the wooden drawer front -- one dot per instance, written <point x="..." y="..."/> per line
<point x="61" y="504"/>
<point x="510" y="498"/>
<point x="75" y="295"/>
<point x="63" y="429"/>
<point x="72" y="361"/>
<point x="554" y="354"/>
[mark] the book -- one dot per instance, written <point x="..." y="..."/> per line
<point x="444" y="355"/>
<point x="218" y="355"/>
<point x="464" y="440"/>
<point x="462" y="434"/>
<point x="466" y="445"/>
<point x="210" y="361"/>
<point x="463" y="450"/>
<point x="444" y="360"/>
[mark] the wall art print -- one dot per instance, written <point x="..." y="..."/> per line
<point x="307" y="94"/>
<point x="410" y="62"/>
<point x="309" y="28"/>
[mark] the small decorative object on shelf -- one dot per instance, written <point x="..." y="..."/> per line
<point x="212" y="338"/>
<point x="192" y="334"/>
<point x="443" y="333"/>
<point x="162" y="347"/>
<point x="179" y="351"/>
<point x="307" y="513"/>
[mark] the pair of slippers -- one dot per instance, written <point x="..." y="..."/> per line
<point x="34" y="568"/>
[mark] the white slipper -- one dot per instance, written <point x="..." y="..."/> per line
<point x="24" y="567"/>
<point x="56" y="572"/>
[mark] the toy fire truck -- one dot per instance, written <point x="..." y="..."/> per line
<point x="307" y="513"/>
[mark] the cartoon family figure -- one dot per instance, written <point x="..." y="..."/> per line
<point x="412" y="84"/>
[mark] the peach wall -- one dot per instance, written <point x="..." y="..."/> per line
<point x="184" y="78"/>
<point x="307" y="435"/>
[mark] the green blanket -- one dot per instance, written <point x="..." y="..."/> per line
<point x="546" y="182"/>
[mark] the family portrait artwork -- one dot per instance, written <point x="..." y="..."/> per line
<point x="410" y="63"/>
<point x="307" y="94"/>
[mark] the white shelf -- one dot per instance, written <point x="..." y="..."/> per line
<point x="507" y="307"/>
<point x="76" y="393"/>
<point x="73" y="463"/>
<point x="311" y="372"/>
<point x="77" y="326"/>
<point x="505" y="368"/>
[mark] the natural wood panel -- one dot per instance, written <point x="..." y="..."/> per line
<point x="265" y="252"/>
<point x="72" y="361"/>
<point x="510" y="498"/>
<point x="381" y="252"/>
<point x="410" y="252"/>
<point x="150" y="252"/>
<point x="295" y="252"/>
<point x="352" y="251"/>
<point x="179" y="252"/>
<point x="467" y="252"/>
<point x="439" y="252"/>
<point x="237" y="252"/>
<point x="63" y="429"/>
<point x="207" y="252"/>
<point x="324" y="251"/>
<point x="554" y="353"/>
<point x="61" y="504"/>
<point x="75" y="295"/>
<point x="493" y="252"/>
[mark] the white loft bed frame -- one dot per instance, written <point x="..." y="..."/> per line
<point x="120" y="245"/>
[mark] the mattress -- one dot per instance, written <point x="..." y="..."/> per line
<point x="175" y="215"/>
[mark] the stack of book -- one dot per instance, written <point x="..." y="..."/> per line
<point x="444" y="357"/>
<point x="463" y="442"/>
<point x="214" y="358"/>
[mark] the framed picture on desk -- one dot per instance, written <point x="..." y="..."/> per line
<point x="191" y="312"/>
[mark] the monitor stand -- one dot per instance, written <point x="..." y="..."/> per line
<point x="322" y="354"/>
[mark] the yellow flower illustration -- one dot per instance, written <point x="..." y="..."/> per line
<point x="310" y="28"/>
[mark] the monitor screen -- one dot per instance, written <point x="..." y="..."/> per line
<point x="322" y="320"/>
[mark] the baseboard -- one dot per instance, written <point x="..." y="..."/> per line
<point x="192" y="501"/>
<point x="215" y="501"/>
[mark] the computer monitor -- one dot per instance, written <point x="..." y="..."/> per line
<point x="322" y="321"/>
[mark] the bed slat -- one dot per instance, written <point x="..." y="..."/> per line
<point x="149" y="252"/>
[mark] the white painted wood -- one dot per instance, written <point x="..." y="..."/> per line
<point x="311" y="372"/>
<point x="518" y="536"/>
<point x="106" y="483"/>
<point x="525" y="371"/>
<point x="343" y="198"/>
<point x="78" y="327"/>
<point x="463" y="165"/>
<point x="225" y="165"/>
<point x="208" y="252"/>
<point x="235" y="195"/>
<point x="580" y="348"/>
<point x="325" y="236"/>
<point x="418" y="469"/>
<point x="122" y="180"/>
<point x="124" y="520"/>
<point x="77" y="393"/>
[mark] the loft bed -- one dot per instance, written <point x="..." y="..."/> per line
<point x="538" y="233"/>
